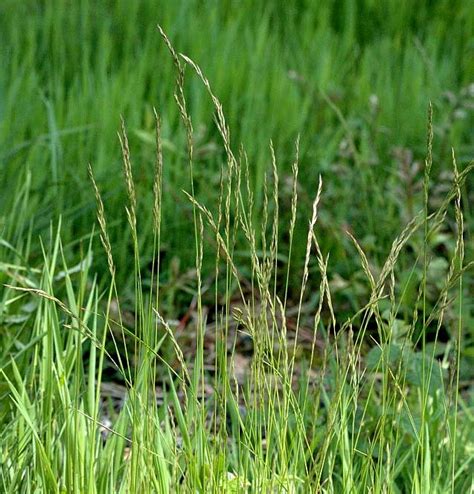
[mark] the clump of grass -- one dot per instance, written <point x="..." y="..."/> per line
<point x="366" y="406"/>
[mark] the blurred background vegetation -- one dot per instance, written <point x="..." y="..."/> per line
<point x="353" y="78"/>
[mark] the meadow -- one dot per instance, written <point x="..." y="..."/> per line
<point x="236" y="248"/>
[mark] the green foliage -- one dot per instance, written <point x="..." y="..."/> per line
<point x="202" y="337"/>
<point x="353" y="78"/>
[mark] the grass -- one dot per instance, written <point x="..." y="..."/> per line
<point x="355" y="91"/>
<point x="222" y="339"/>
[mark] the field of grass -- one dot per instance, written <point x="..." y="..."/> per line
<point x="265" y="282"/>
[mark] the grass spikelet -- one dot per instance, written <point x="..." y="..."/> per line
<point x="127" y="170"/>
<point x="104" y="236"/>
<point x="158" y="176"/>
